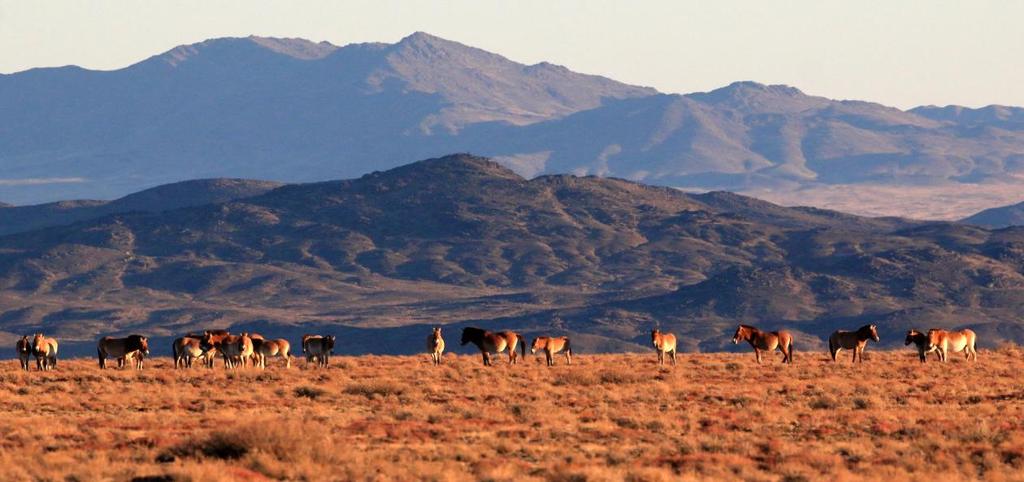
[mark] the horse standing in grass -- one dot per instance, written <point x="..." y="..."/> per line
<point x="234" y="349"/>
<point x="922" y="343"/>
<point x="953" y="341"/>
<point x="121" y="348"/>
<point x="263" y="349"/>
<point x="24" y="349"/>
<point x="186" y="350"/>
<point x="852" y="340"/>
<point x="435" y="346"/>
<point x="664" y="343"/>
<point x="765" y="341"/>
<point x="319" y="348"/>
<point x="489" y="342"/>
<point x="45" y="350"/>
<point x="551" y="347"/>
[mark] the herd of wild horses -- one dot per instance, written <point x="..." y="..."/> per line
<point x="246" y="348"/>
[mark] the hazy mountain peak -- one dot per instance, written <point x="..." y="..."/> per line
<point x="754" y="96"/>
<point x="296" y="47"/>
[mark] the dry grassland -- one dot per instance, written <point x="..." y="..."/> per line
<point x="607" y="417"/>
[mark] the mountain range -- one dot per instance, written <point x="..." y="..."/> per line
<point x="462" y="240"/>
<point x="292" y="110"/>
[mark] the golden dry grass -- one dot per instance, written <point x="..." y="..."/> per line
<point x="607" y="417"/>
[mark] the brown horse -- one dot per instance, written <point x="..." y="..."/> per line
<point x="953" y="341"/>
<point x="664" y="343"/>
<point x="24" y="349"/>
<point x="852" y="340"/>
<point x="435" y="346"/>
<point x="765" y="341"/>
<point x="922" y="343"/>
<point x="319" y="348"/>
<point x="45" y="350"/>
<point x="110" y="347"/>
<point x="552" y="346"/>
<point x="305" y="344"/>
<point x="210" y="349"/>
<point x="234" y="349"/>
<point x="186" y="350"/>
<point x="263" y="349"/>
<point x="489" y="342"/>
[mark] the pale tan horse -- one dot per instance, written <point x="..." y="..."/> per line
<point x="664" y="343"/>
<point x="234" y="349"/>
<point x="134" y="358"/>
<point x="491" y="342"/>
<point x="45" y="350"/>
<point x="120" y="348"/>
<point x="24" y="349"/>
<point x="320" y="349"/>
<point x="953" y="341"/>
<point x="852" y="340"/>
<point x="186" y="350"/>
<point x="766" y="341"/>
<point x="435" y="346"/>
<point x="256" y="339"/>
<point x="263" y="349"/>
<point x="551" y="347"/>
<point x="922" y="343"/>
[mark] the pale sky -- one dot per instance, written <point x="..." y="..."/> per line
<point x="901" y="53"/>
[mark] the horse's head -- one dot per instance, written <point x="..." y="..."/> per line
<point x="741" y="334"/>
<point x="24" y="345"/>
<point x="912" y="336"/>
<point x="655" y="337"/>
<point x="329" y="343"/>
<point x="437" y="333"/>
<point x="143" y="345"/>
<point x="536" y="345"/>
<point x="467" y="335"/>
<point x="874" y="333"/>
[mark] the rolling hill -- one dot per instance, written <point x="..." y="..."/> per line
<point x="999" y="217"/>
<point x="297" y="111"/>
<point x="463" y="240"/>
<point x="14" y="219"/>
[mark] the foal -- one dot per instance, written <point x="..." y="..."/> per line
<point x="435" y="346"/>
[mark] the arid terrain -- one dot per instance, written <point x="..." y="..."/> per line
<point x="606" y="417"/>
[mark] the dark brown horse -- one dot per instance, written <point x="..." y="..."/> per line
<point x="24" y="348"/>
<point x="110" y="347"/>
<point x="489" y="342"/>
<point x="922" y="343"/>
<point x="852" y="340"/>
<point x="766" y="341"/>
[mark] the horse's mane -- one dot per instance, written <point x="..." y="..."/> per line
<point x="749" y="327"/>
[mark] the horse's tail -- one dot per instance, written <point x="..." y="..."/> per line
<point x="99" y="355"/>
<point x="791" y="343"/>
<point x="522" y="344"/>
<point x="568" y="346"/>
<point x="174" y="350"/>
<point x="831" y="347"/>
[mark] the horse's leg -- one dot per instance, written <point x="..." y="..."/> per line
<point x="673" y="357"/>
<point x="757" y="355"/>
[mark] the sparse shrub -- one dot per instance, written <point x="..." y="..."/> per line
<point x="311" y="393"/>
<point x="370" y="389"/>
<point x="823" y="403"/>
<point x="575" y="377"/>
<point x="620" y="378"/>
<point x="862" y="403"/>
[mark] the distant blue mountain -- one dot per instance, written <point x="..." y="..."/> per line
<point x="293" y="110"/>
